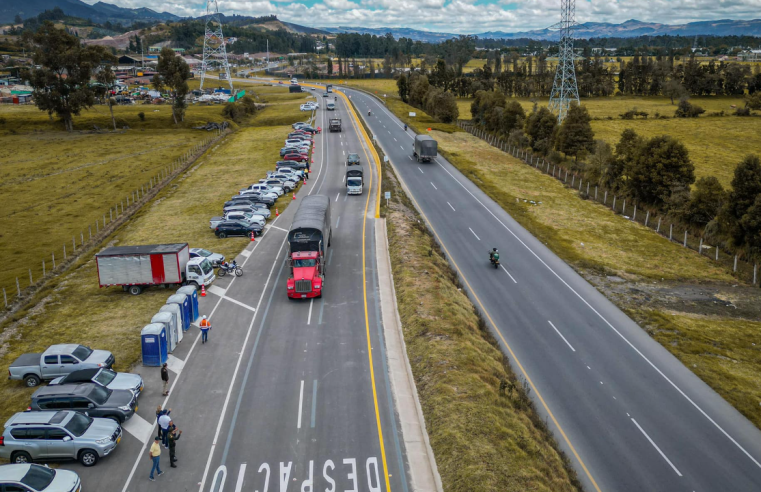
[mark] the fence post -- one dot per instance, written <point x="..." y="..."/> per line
<point x="647" y="217"/>
<point x="89" y="231"/>
<point x="104" y="221"/>
<point x="717" y="252"/>
<point x="755" y="270"/>
<point x="658" y="229"/>
<point x="5" y="297"/>
<point x="587" y="188"/>
<point x="685" y="238"/>
<point x="623" y="210"/>
<point x="97" y="227"/>
<point x="110" y="215"/>
<point x="548" y="167"/>
<point x="122" y="207"/>
<point x="581" y="180"/>
<point x="671" y="231"/>
<point x="595" y="193"/>
<point x="734" y="269"/>
<point x="553" y="170"/>
<point x="18" y="287"/>
<point x="566" y="176"/>
<point x="634" y="216"/>
<point x="64" y="251"/>
<point x="43" y="268"/>
<point x="614" y="203"/>
<point x="700" y="247"/>
<point x="573" y="179"/>
<point x="604" y="200"/>
<point x="32" y="281"/>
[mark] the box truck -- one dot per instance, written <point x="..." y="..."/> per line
<point x="308" y="239"/>
<point x="354" y="180"/>
<point x="424" y="148"/>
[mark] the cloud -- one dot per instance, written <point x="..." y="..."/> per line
<point x="462" y="16"/>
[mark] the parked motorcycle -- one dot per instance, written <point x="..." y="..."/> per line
<point x="226" y="268"/>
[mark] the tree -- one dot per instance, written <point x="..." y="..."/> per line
<point x="418" y="89"/>
<point x="106" y="78"/>
<point x="173" y="72"/>
<point x="61" y="84"/>
<point x="575" y="136"/>
<point x="330" y="66"/>
<point x="599" y="162"/>
<point x="513" y="116"/>
<point x="753" y="101"/>
<point x="403" y="86"/>
<point x="674" y="90"/>
<point x="444" y="107"/>
<point x="751" y="225"/>
<point x="685" y="109"/>
<point x="18" y="19"/>
<point x="705" y="201"/>
<point x="541" y="128"/>
<point x="661" y="165"/>
<point x="746" y="187"/>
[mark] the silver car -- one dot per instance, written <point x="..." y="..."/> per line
<point x="38" y="478"/>
<point x="58" y="435"/>
<point x="104" y="377"/>
<point x="214" y="258"/>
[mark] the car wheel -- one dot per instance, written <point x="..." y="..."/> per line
<point x="222" y="235"/>
<point x="88" y="457"/>
<point x="31" y="380"/>
<point x="21" y="457"/>
<point x="115" y="419"/>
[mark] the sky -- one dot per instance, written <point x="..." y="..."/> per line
<point x="462" y="16"/>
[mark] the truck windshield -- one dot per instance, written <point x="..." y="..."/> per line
<point x="37" y="477"/>
<point x="206" y="266"/>
<point x="304" y="263"/>
<point x="78" y="424"/>
<point x="82" y="352"/>
<point x="354" y="182"/>
<point x="105" y="377"/>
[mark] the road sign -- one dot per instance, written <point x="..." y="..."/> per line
<point x="412" y="114"/>
<point x="385" y="158"/>
<point x="388" y="195"/>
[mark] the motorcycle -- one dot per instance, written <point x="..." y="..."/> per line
<point x="405" y="128"/>
<point x="494" y="261"/>
<point x="368" y="113"/>
<point x="226" y="268"/>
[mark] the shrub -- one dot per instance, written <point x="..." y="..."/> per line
<point x="141" y="115"/>
<point x="742" y="112"/>
<point x="688" y="110"/>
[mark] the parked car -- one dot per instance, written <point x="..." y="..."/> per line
<point x="299" y="124"/>
<point x="57" y="360"/>
<point x="295" y="157"/>
<point x="60" y="434"/>
<point x="307" y="107"/>
<point x="266" y="188"/>
<point x="295" y="142"/>
<point x="264" y="192"/>
<point x="28" y="477"/>
<point x="292" y="164"/>
<point x="237" y="228"/>
<point x="215" y="258"/>
<point x="250" y="199"/>
<point x="98" y="401"/>
<point x="295" y="174"/>
<point x="260" y="207"/>
<point x="104" y="377"/>
<point x="246" y="217"/>
<point x="308" y="129"/>
<point x="285" y="176"/>
<point x="238" y="208"/>
<point x="286" y="184"/>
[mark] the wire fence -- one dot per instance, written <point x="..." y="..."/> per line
<point x="115" y="216"/>
<point x="659" y="223"/>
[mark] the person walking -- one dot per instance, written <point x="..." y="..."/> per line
<point x="155" y="455"/>
<point x="174" y="436"/>
<point x="165" y="378"/>
<point x="164" y="422"/>
<point x="205" y="327"/>
<point x="159" y="413"/>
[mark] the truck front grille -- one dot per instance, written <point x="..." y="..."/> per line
<point x="303" y="286"/>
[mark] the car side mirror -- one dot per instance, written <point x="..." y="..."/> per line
<point x="66" y="438"/>
<point x="90" y="405"/>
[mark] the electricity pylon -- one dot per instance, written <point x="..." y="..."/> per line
<point x="564" y="88"/>
<point x="214" y="46"/>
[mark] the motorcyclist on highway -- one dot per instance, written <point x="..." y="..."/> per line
<point x="368" y="112"/>
<point x="494" y="255"/>
<point x="405" y="128"/>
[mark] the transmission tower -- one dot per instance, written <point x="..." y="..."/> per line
<point x="214" y="51"/>
<point x="564" y="88"/>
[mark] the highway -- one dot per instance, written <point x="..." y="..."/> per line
<point x="287" y="395"/>
<point x="627" y="413"/>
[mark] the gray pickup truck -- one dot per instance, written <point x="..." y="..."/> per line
<point x="57" y="361"/>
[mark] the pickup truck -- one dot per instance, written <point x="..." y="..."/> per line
<point x="57" y="361"/>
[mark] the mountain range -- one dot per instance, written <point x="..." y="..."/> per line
<point x="98" y="12"/>
<point x="628" y="29"/>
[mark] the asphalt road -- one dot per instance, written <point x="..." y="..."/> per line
<point x="628" y="414"/>
<point x="282" y="397"/>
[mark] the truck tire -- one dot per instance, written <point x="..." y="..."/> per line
<point x="135" y="290"/>
<point x="88" y="457"/>
<point x="21" y="457"/>
<point x="193" y="284"/>
<point x="31" y="380"/>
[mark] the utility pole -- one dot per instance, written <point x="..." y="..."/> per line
<point x="564" y="88"/>
<point x="214" y="45"/>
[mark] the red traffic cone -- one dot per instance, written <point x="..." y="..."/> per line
<point x="293" y="195"/>
<point x="203" y="290"/>
<point x="277" y="213"/>
<point x="305" y="181"/>
<point x="312" y="160"/>
<point x="310" y="171"/>
<point x="252" y="237"/>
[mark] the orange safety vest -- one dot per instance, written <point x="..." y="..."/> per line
<point x="205" y="323"/>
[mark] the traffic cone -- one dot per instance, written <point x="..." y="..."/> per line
<point x="203" y="290"/>
<point x="252" y="237"/>
<point x="277" y="213"/>
<point x="312" y="160"/>
<point x="305" y="181"/>
<point x="293" y="195"/>
<point x="310" y="171"/>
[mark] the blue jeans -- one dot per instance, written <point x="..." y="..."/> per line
<point x="155" y="465"/>
<point x="204" y="335"/>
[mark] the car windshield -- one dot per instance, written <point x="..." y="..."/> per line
<point x="353" y="157"/>
<point x="203" y="252"/>
<point x="38" y="477"/>
<point x="105" y="377"/>
<point x="206" y="267"/>
<point x="82" y="352"/>
<point x="78" y="424"/>
<point x="304" y="263"/>
<point x="99" y="394"/>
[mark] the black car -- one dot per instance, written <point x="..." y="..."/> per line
<point x="237" y="228"/>
<point x="253" y="198"/>
<point x="291" y="164"/>
<point x="90" y="398"/>
<point x="308" y="129"/>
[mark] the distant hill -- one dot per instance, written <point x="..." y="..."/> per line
<point x="629" y="29"/>
<point x="100" y="12"/>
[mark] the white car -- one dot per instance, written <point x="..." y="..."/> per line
<point x="266" y="194"/>
<point x="285" y="185"/>
<point x="37" y="478"/>
<point x="263" y="188"/>
<point x="306" y="107"/>
<point x="246" y="216"/>
<point x="298" y="144"/>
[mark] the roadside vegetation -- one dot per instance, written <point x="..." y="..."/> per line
<point x="483" y="429"/>
<point x="71" y="307"/>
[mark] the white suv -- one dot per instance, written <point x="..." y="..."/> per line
<point x="38" y="478"/>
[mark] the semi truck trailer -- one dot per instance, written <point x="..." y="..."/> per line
<point x="308" y="240"/>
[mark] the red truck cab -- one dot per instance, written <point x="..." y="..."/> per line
<point x="307" y="279"/>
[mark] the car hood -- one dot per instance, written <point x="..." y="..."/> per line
<point x="100" y="428"/>
<point x="98" y="356"/>
<point x="64" y="481"/>
<point x="125" y="381"/>
<point x="120" y="397"/>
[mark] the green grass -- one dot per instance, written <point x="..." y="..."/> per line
<point x="72" y="307"/>
<point x="483" y="440"/>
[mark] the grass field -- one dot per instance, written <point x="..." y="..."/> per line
<point x="71" y="308"/>
<point x="483" y="440"/>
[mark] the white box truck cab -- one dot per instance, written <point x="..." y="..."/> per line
<point x="354" y="180"/>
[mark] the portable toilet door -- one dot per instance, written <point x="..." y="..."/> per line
<point x="171" y="328"/>
<point x="184" y="303"/>
<point x="192" y="293"/>
<point x="153" y="342"/>
<point x="176" y="313"/>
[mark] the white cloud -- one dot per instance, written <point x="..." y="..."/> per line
<point x="464" y="16"/>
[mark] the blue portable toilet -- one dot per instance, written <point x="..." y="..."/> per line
<point x="167" y="319"/>
<point x="183" y="301"/>
<point x="154" y="344"/>
<point x="176" y="311"/>
<point x="191" y="292"/>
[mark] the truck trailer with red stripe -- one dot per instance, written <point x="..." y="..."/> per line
<point x="137" y="267"/>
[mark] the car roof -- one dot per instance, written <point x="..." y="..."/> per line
<point x="61" y="348"/>
<point x="14" y="472"/>
<point x="82" y="375"/>
<point x="43" y="417"/>
<point x="73" y="389"/>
